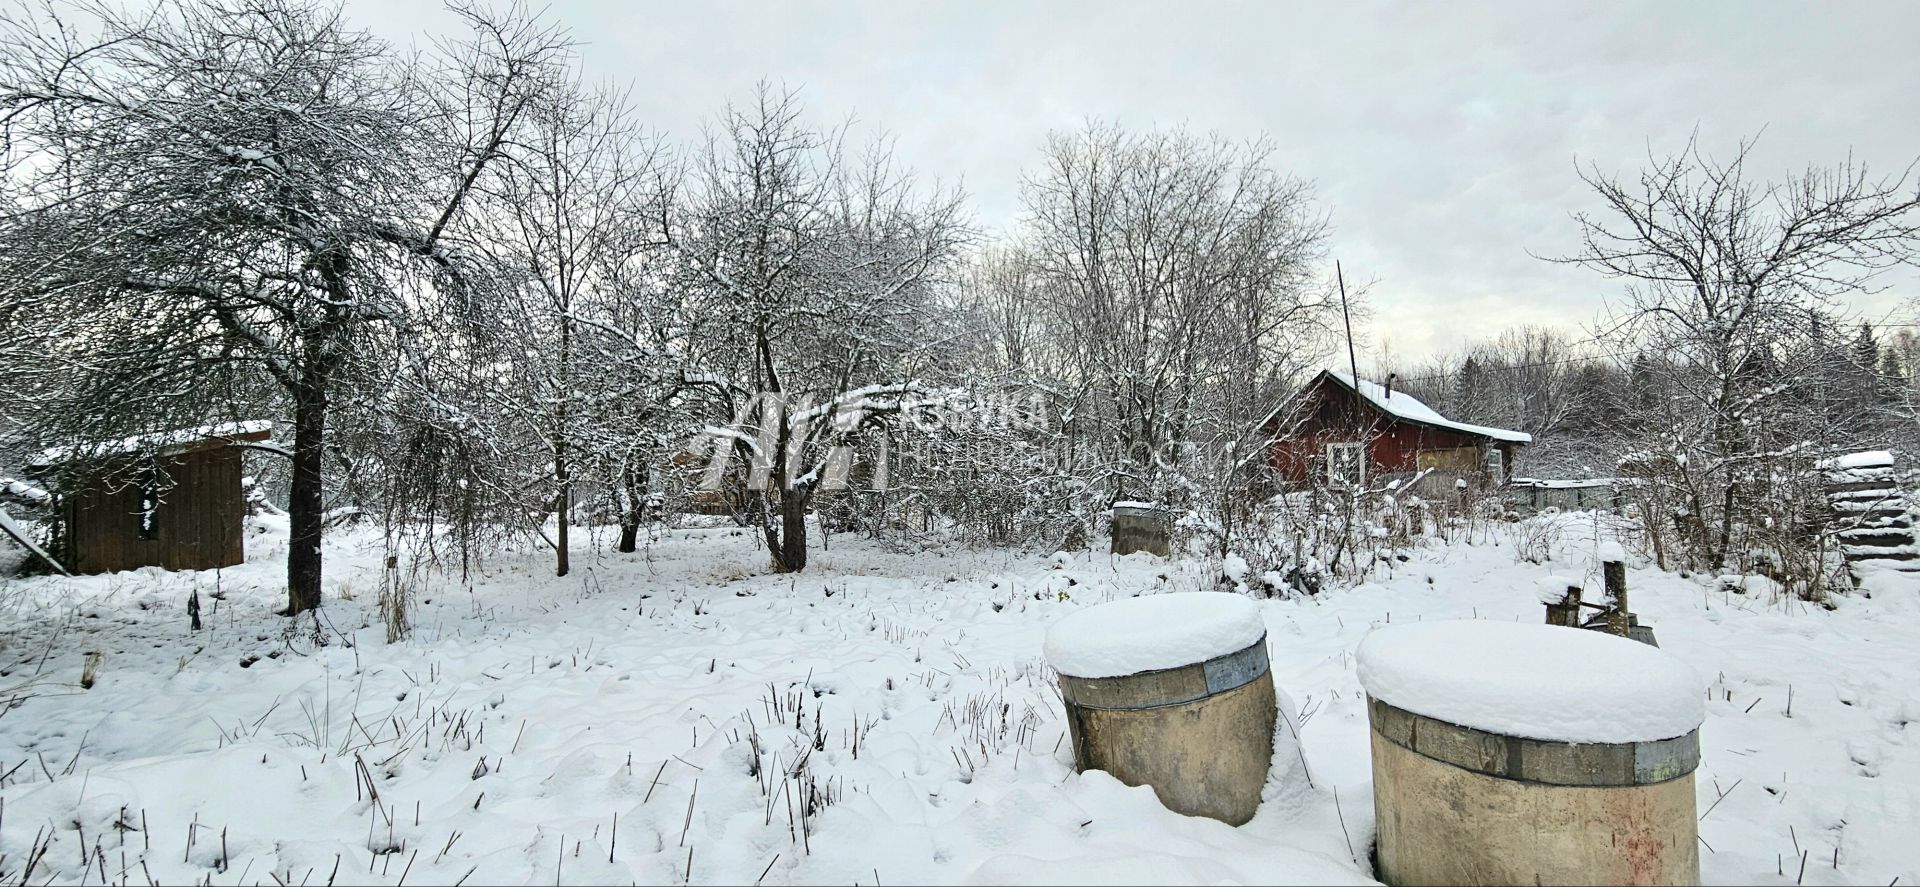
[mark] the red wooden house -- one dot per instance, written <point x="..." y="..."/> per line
<point x="1348" y="433"/>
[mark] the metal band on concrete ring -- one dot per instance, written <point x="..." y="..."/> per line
<point x="1171" y="686"/>
<point x="1537" y="760"/>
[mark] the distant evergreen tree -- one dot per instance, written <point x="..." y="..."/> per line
<point x="1596" y="398"/>
<point x="1643" y="394"/>
<point x="1861" y="385"/>
<point x="1866" y="349"/>
<point x="1893" y="377"/>
<point x="1759" y="369"/>
<point x="1469" y="390"/>
<point x="1840" y="372"/>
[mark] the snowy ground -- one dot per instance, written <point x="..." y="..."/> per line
<point x="602" y="728"/>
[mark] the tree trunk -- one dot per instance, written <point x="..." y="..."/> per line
<point x="760" y="509"/>
<point x="560" y="565"/>
<point x="635" y="512"/>
<point x="305" y="500"/>
<point x="1650" y="516"/>
<point x="563" y="504"/>
<point x="792" y="556"/>
<point x="1719" y="556"/>
<point x="560" y="468"/>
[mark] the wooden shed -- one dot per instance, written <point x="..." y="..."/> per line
<point x="172" y="500"/>
<point x="1347" y="432"/>
<point x="1567" y="495"/>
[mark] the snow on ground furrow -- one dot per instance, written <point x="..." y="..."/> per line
<point x="603" y="728"/>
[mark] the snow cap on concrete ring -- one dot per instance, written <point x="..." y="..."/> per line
<point x="1536" y="681"/>
<point x="1151" y="633"/>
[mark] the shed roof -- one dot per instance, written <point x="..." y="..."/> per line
<point x="1406" y="407"/>
<point x="159" y="441"/>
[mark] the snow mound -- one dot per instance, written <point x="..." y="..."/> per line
<point x="1535" y="681"/>
<point x="1553" y="589"/>
<point x="1151" y="633"/>
<point x="1235" y="567"/>
<point x="1611" y="552"/>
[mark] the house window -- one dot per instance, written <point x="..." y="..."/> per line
<point x="1496" y="465"/>
<point x="1346" y="463"/>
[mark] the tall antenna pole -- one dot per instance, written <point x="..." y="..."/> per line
<point x="1353" y="364"/>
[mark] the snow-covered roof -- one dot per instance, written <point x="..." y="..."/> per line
<point x="1581" y="484"/>
<point x="160" y="440"/>
<point x="1404" y="406"/>
<point x="1850" y="461"/>
<point x="18" y="488"/>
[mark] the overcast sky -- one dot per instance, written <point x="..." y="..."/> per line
<point x="1442" y="138"/>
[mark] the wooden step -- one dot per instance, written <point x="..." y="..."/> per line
<point x="1858" y="485"/>
<point x="1875" y="539"/>
<point x="1869" y="495"/>
<point x="1901" y="521"/>
<point x="1856" y="555"/>
<point x="1861" y="567"/>
<point x="1881" y="506"/>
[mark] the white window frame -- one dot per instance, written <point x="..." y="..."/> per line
<point x="1351" y="453"/>
<point x="1496" y="465"/>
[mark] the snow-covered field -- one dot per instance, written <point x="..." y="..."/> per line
<point x="675" y="715"/>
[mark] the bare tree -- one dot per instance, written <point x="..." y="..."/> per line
<point x="1178" y="273"/>
<point x="240" y="188"/>
<point x="1727" y="278"/>
<point x="580" y="200"/>
<point x="824" y="268"/>
<point x="1005" y="463"/>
